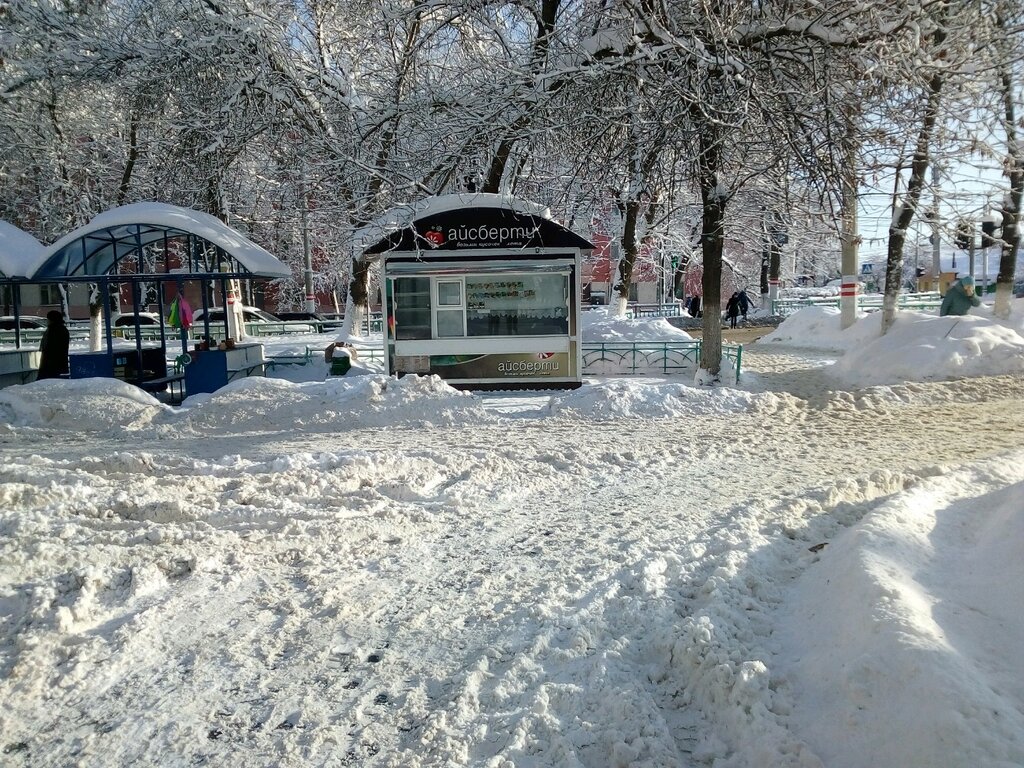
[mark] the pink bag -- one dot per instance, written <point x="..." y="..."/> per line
<point x="184" y="313"/>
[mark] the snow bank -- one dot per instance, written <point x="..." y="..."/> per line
<point x="641" y="398"/>
<point x="252" y="404"/>
<point x="919" y="346"/>
<point x="818" y="328"/>
<point x="81" y="405"/>
<point x="601" y="324"/>
<point x="339" y="403"/>
<point x="920" y="600"/>
<point x="922" y="347"/>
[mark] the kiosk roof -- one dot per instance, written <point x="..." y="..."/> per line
<point x="427" y="225"/>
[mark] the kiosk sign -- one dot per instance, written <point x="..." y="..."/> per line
<point x="515" y="365"/>
<point x="479" y="228"/>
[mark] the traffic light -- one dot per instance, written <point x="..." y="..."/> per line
<point x="964" y="236"/>
<point x="988" y="232"/>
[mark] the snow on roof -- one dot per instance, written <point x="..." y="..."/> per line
<point x="251" y="256"/>
<point x="403" y="215"/>
<point x="19" y="251"/>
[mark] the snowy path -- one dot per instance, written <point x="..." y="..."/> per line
<point x="501" y="594"/>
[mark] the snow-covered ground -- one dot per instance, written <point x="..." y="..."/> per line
<point x="819" y="567"/>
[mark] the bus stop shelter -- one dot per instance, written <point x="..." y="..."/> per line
<point x="154" y="244"/>
<point x="19" y="253"/>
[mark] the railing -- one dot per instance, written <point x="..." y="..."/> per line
<point x="666" y="357"/>
<point x="610" y="357"/>
<point x="32" y="336"/>
<point x="868" y="302"/>
<point x="374" y="322"/>
<point x="314" y="353"/>
<point x="672" y="309"/>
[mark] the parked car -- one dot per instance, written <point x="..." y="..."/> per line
<point x="321" y="320"/>
<point x="28" y="323"/>
<point x="254" y="316"/>
<point x="120" y="319"/>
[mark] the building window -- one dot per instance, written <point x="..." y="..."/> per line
<point x="49" y="293"/>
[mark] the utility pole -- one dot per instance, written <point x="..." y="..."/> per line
<point x="936" y="243"/>
<point x="848" y="236"/>
<point x="765" y="256"/>
<point x="307" y="255"/>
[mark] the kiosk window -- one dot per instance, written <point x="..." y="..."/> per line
<point x="412" y="308"/>
<point x="451" y="315"/>
<point x="517" y="305"/>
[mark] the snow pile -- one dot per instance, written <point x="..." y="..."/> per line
<point x="640" y="398"/>
<point x="818" y="328"/>
<point x="339" y="403"/>
<point x="601" y="324"/>
<point x="920" y="602"/>
<point x="918" y="347"/>
<point x="921" y="347"/>
<point x="81" y="405"/>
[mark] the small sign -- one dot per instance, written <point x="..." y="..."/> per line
<point x="413" y="363"/>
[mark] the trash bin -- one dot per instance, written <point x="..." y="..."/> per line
<point x="340" y="358"/>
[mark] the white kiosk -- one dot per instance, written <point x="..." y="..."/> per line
<point x="481" y="290"/>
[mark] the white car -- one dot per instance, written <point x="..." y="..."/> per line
<point x="254" y="317"/>
<point x="123" y="319"/>
<point x="27" y="323"/>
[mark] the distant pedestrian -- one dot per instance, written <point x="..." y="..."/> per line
<point x="54" y="347"/>
<point x="695" y="310"/>
<point x="744" y="304"/>
<point x="959" y="298"/>
<point x="732" y="308"/>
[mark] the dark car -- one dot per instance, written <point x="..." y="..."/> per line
<point x="322" y="321"/>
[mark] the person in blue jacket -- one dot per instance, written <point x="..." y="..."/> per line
<point x="959" y="298"/>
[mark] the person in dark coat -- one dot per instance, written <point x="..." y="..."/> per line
<point x="732" y="308"/>
<point x="695" y="310"/>
<point x="54" y="347"/>
<point x="744" y="304"/>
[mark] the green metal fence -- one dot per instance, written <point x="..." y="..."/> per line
<point x="623" y="358"/>
<point x="869" y="302"/>
<point x="665" y="357"/>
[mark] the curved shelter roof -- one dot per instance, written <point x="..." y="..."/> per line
<point x="466" y="221"/>
<point x="134" y="238"/>
<point x="19" y="251"/>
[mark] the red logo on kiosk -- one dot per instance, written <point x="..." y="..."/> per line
<point x="545" y="355"/>
<point x="434" y="236"/>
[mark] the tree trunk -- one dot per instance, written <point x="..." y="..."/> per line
<point x="357" y="303"/>
<point x="679" y="277"/>
<point x="774" y="263"/>
<point x="713" y="199"/>
<point x="629" y="253"/>
<point x="1011" y="208"/>
<point x="901" y="219"/>
<point x="918" y="169"/>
